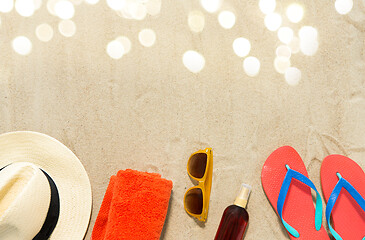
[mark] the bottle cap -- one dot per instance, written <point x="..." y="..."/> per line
<point x="242" y="198"/>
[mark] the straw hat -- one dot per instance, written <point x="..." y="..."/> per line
<point x="44" y="189"/>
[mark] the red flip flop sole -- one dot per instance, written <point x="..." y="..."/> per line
<point x="299" y="210"/>
<point x="348" y="217"/>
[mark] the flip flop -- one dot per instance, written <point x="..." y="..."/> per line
<point x="346" y="206"/>
<point x="286" y="184"/>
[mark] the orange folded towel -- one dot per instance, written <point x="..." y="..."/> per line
<point x="134" y="207"/>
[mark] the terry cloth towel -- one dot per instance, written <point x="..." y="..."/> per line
<point x="134" y="207"/>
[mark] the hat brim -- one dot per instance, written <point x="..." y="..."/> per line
<point x="65" y="169"/>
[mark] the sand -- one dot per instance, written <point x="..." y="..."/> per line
<point x="147" y="112"/>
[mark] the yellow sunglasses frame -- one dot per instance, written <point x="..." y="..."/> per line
<point x="204" y="183"/>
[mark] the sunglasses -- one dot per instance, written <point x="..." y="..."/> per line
<point x="200" y="169"/>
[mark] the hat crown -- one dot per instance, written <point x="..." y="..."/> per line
<point x="24" y="200"/>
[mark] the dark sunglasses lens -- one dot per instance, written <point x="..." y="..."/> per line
<point x="197" y="165"/>
<point x="194" y="201"/>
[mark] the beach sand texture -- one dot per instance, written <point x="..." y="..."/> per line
<point x="147" y="111"/>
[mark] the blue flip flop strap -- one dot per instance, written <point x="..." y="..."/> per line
<point x="282" y="196"/>
<point x="342" y="183"/>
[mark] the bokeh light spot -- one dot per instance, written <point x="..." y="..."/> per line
<point x="147" y="37"/>
<point x="308" y="40"/>
<point x="193" y="61"/>
<point x="115" y="49"/>
<point x="227" y="19"/>
<point x="294" y="45"/>
<point x="67" y="28"/>
<point x="267" y="6"/>
<point x="37" y="4"/>
<point x="285" y="34"/>
<point x="344" y="6"/>
<point x="44" y="32"/>
<point x="137" y="10"/>
<point x="308" y="33"/>
<point x="309" y="48"/>
<point x="127" y="45"/>
<point x="25" y="8"/>
<point x="51" y="6"/>
<point x="283" y="51"/>
<point x="273" y="21"/>
<point x="295" y="13"/>
<point x="293" y="76"/>
<point x="6" y="6"/>
<point x="211" y="5"/>
<point x="196" y="21"/>
<point x="241" y="46"/>
<point x="64" y="9"/>
<point x="251" y="66"/>
<point x="92" y="2"/>
<point x="116" y="4"/>
<point x="281" y="64"/>
<point x="22" y="45"/>
<point x="153" y="7"/>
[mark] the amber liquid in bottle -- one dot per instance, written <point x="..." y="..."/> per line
<point x="235" y="218"/>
